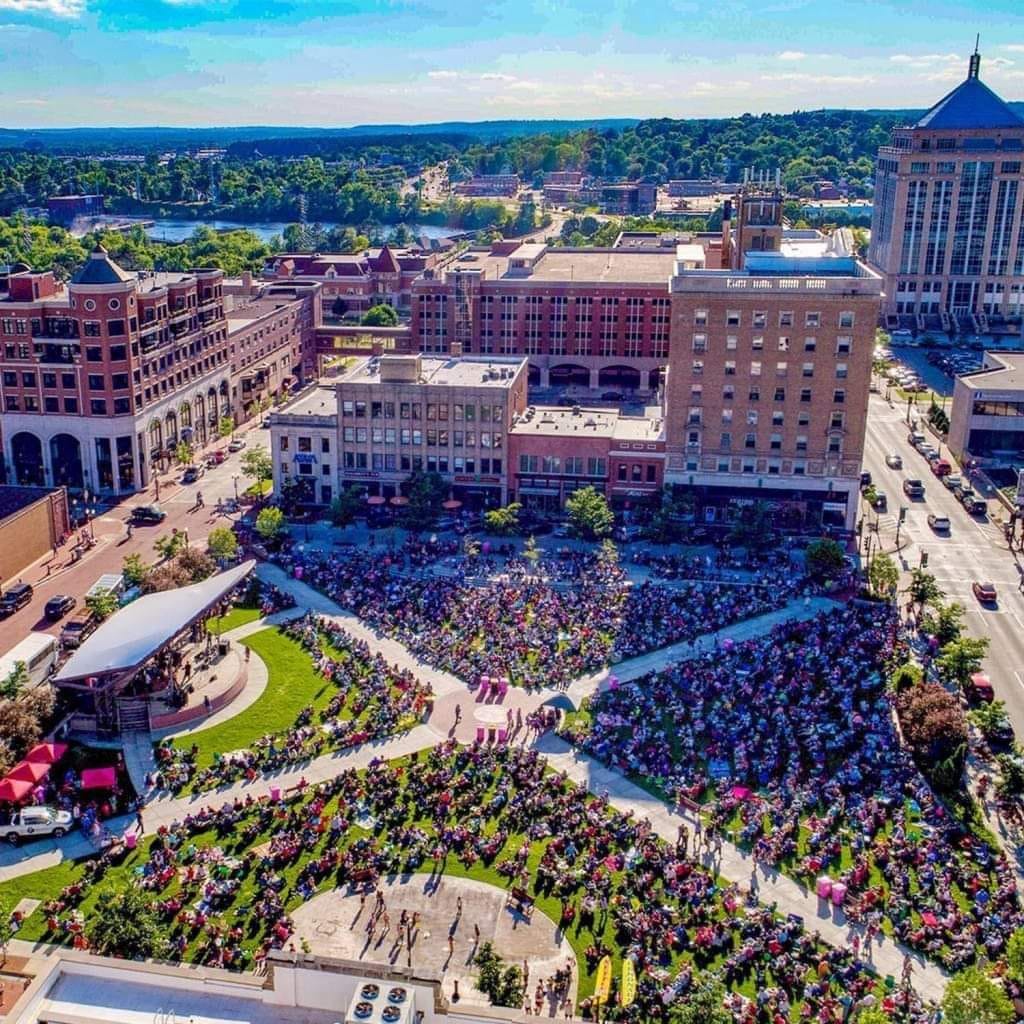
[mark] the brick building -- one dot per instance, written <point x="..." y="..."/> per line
<point x="353" y="282"/>
<point x="104" y="377"/>
<point x="489" y="185"/>
<point x="554" y="451"/>
<point x="33" y="521"/>
<point x="947" y="231"/>
<point x="767" y="387"/>
<point x="584" y="318"/>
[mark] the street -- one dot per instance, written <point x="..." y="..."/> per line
<point x="974" y="549"/>
<point x="178" y="501"/>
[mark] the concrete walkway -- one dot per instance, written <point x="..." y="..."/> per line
<point x="654" y="661"/>
<point x="734" y="864"/>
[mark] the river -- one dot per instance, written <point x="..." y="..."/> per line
<point x="171" y="230"/>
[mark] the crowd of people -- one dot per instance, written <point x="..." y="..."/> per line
<point x="523" y="629"/>
<point x="370" y="699"/>
<point x="225" y="878"/>
<point x="789" y="743"/>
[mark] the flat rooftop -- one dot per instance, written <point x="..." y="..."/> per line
<point x="589" y="266"/>
<point x="14" y="499"/>
<point x="559" y="421"/>
<point x="319" y="401"/>
<point x="468" y="372"/>
<point x="1006" y="373"/>
<point x="248" y="312"/>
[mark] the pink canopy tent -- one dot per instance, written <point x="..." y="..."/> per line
<point x="99" y="778"/>
<point x="14" y="790"/>
<point x="29" y="771"/>
<point x="47" y="753"/>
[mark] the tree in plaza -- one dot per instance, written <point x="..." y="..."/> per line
<point x="923" y="588"/>
<point x="133" y="569"/>
<point x="21" y="720"/>
<point x="589" y="513"/>
<point x="168" y="576"/>
<point x="183" y="453"/>
<point x="426" y="492"/>
<point x="258" y="464"/>
<point x="226" y="426"/>
<point x="168" y="546"/>
<point x="972" y="997"/>
<point x="197" y="565"/>
<point x="608" y="553"/>
<point x="102" y="605"/>
<point x="989" y="717"/>
<point x="883" y="575"/>
<point x="945" y="623"/>
<point x="222" y="543"/>
<point x="935" y="727"/>
<point x="381" y="315"/>
<point x="270" y="523"/>
<point x="16" y="681"/>
<point x="346" y="506"/>
<point x="824" y="559"/>
<point x="753" y="527"/>
<point x="503" y="521"/>
<point x="124" y="924"/>
<point x="961" y="658"/>
<point x="1015" y="956"/>
<point x="704" y="1005"/>
<point x="503" y="984"/>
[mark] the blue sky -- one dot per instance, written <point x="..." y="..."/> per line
<point x="341" y="62"/>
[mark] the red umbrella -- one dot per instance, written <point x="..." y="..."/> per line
<point x="13" y="790"/>
<point x="451" y="504"/>
<point x="399" y="499"/>
<point x="376" y="499"/>
<point x="47" y="753"/>
<point x="29" y="771"/>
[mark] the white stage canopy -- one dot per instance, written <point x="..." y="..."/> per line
<point x="136" y="632"/>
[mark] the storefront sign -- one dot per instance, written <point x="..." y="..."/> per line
<point x="304" y="459"/>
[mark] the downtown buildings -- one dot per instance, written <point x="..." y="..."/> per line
<point x="102" y="379"/>
<point x="947" y="233"/>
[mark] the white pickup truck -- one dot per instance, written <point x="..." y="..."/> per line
<point x="35" y="823"/>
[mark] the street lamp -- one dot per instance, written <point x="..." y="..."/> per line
<point x="234" y="480"/>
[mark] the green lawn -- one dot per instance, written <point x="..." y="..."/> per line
<point x="292" y="684"/>
<point x="240" y="615"/>
<point x="46" y="885"/>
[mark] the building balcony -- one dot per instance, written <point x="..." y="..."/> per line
<point x="60" y="355"/>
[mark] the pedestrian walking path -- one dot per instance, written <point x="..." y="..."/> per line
<point x="654" y="661"/>
<point x="734" y="864"/>
<point x="48" y="853"/>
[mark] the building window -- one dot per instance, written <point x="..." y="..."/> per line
<point x="732" y="318"/>
<point x="98" y="407"/>
<point x="812" y="320"/>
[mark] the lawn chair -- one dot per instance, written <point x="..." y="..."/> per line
<point x="491" y="734"/>
<point x="502" y="737"/>
<point x="480" y="735"/>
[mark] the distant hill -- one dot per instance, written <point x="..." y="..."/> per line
<point x="142" y="140"/>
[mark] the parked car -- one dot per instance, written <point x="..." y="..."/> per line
<point x="236" y="445"/>
<point x="192" y="474"/>
<point x="979" y="689"/>
<point x="929" y="451"/>
<point x="218" y="456"/>
<point x="953" y="482"/>
<point x="148" y="514"/>
<point x="894" y="461"/>
<point x="77" y="628"/>
<point x="57" y="607"/>
<point x="612" y="396"/>
<point x="15" y="599"/>
<point x="940" y="524"/>
<point x="913" y="489"/>
<point x="35" y="823"/>
<point x="901" y="337"/>
<point x="976" y="506"/>
<point x="941" y="467"/>
<point x="984" y="592"/>
<point x="916" y="439"/>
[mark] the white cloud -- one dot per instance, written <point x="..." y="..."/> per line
<point x="924" y="60"/>
<point x="1013" y="47"/>
<point x="792" y="55"/>
<point x="998" y="62"/>
<point x="443" y="75"/>
<point x="59" y="8"/>
<point x="800" y="78"/>
<point x="494" y="76"/>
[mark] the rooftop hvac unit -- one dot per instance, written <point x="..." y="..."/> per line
<point x="380" y="1003"/>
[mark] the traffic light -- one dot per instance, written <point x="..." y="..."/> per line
<point x="903" y="513"/>
<point x="924" y="559"/>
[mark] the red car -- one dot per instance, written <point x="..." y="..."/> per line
<point x="984" y="592"/>
<point x="980" y="688"/>
<point x="941" y="468"/>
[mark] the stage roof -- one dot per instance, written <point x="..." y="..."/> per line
<point x="140" y="629"/>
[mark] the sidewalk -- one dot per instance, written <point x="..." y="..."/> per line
<point x="886" y="956"/>
<point x="654" y="661"/>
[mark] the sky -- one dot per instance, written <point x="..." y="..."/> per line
<point x="342" y="62"/>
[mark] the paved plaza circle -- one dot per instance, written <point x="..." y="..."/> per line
<point x="334" y="923"/>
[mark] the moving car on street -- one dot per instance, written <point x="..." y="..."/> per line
<point x="15" y="599"/>
<point x="148" y="514"/>
<point x="236" y="445"/>
<point x="984" y="592"/>
<point x="913" y="489"/>
<point x="58" y="606"/>
<point x="192" y="474"/>
<point x="894" y="461"/>
<point x="940" y="524"/>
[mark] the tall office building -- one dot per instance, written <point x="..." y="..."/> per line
<point x="947" y="232"/>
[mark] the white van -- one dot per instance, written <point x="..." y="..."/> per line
<point x="39" y="653"/>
